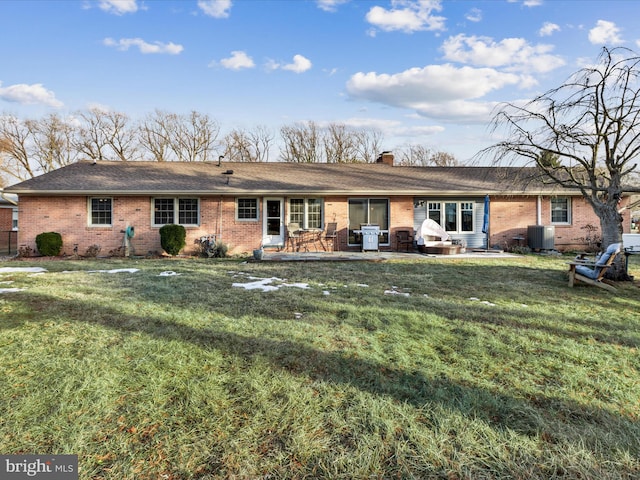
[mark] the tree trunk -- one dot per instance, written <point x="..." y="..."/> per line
<point x="611" y="226"/>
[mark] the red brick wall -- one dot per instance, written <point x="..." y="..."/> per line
<point x="6" y="219"/>
<point x="510" y="217"/>
<point x="69" y="217"/>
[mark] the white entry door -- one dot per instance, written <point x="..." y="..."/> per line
<point x="273" y="224"/>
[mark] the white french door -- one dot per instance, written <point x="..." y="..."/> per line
<point x="273" y="223"/>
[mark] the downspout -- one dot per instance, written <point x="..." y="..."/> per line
<point x="219" y="226"/>
<point x="539" y="210"/>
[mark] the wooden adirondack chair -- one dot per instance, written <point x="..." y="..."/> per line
<point x="592" y="273"/>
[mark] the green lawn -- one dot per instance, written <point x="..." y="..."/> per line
<point x="448" y="369"/>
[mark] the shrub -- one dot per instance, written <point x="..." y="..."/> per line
<point x="49" y="244"/>
<point x="211" y="248"/>
<point x="172" y="238"/>
<point x="520" y="250"/>
<point x="93" y="251"/>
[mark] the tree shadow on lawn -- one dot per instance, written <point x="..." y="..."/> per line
<point x="553" y="420"/>
<point x="448" y="295"/>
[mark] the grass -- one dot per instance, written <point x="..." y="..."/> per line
<point x="448" y="369"/>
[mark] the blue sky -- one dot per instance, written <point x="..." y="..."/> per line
<point x="423" y="72"/>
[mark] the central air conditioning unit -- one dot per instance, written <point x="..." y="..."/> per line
<point x="541" y="237"/>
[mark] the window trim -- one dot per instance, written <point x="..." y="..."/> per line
<point x="176" y="211"/>
<point x="14" y="219"/>
<point x="90" y="212"/>
<point x="237" y="209"/>
<point x="568" y="210"/>
<point x="459" y="210"/>
<point x="305" y="214"/>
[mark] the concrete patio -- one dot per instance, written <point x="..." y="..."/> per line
<point x="284" y="256"/>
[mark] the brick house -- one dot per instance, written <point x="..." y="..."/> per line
<point x="246" y="205"/>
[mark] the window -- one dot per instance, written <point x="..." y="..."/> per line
<point x="164" y="211"/>
<point x="14" y="219"/>
<point x="450" y="217"/>
<point x="466" y="217"/>
<point x="101" y="211"/>
<point x="458" y="216"/>
<point x="560" y="210"/>
<point x="372" y="211"/>
<point x="434" y="212"/>
<point x="247" y="209"/>
<point x="188" y="211"/>
<point x="306" y="212"/>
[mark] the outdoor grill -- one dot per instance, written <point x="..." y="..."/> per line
<point x="370" y="235"/>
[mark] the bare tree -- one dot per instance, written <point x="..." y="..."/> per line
<point x="301" y="143"/>
<point x="369" y="144"/>
<point x="52" y="143"/>
<point x="444" y="159"/>
<point x="261" y="139"/>
<point x="583" y="135"/>
<point x="92" y="141"/>
<point x="414" y="155"/>
<point x="423" y="156"/>
<point x="248" y="146"/>
<point x="154" y="135"/>
<point x="193" y="137"/>
<point x="337" y="143"/>
<point x="184" y="138"/>
<point x="122" y="138"/>
<point x="106" y="135"/>
<point x="32" y="147"/>
<point x="340" y="144"/>
<point x="14" y="148"/>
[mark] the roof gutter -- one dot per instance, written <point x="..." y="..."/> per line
<point x="256" y="193"/>
<point x="4" y="197"/>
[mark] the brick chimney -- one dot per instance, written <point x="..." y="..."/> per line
<point x="386" y="158"/>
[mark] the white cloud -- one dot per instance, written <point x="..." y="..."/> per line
<point x="436" y="90"/>
<point x="513" y="54"/>
<point x="474" y="15"/>
<point x="98" y="107"/>
<point x="238" y="60"/>
<point x="118" y="7"/>
<point x="144" y="47"/>
<point x="300" y="64"/>
<point x="605" y="33"/>
<point x="407" y="16"/>
<point x="532" y="3"/>
<point x="29" y="95"/>
<point x="548" y="29"/>
<point x="215" y="8"/>
<point x="330" y="5"/>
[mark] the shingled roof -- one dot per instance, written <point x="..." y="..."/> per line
<point x="207" y="178"/>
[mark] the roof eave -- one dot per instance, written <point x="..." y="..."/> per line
<point x="276" y="193"/>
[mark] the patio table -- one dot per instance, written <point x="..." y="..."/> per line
<point x="310" y="237"/>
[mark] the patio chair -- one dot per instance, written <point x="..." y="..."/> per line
<point x="404" y="238"/>
<point x="293" y="236"/>
<point x="330" y="234"/>
<point x="592" y="273"/>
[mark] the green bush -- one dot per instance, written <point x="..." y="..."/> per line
<point x="173" y="238"/>
<point x="49" y="244"/>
